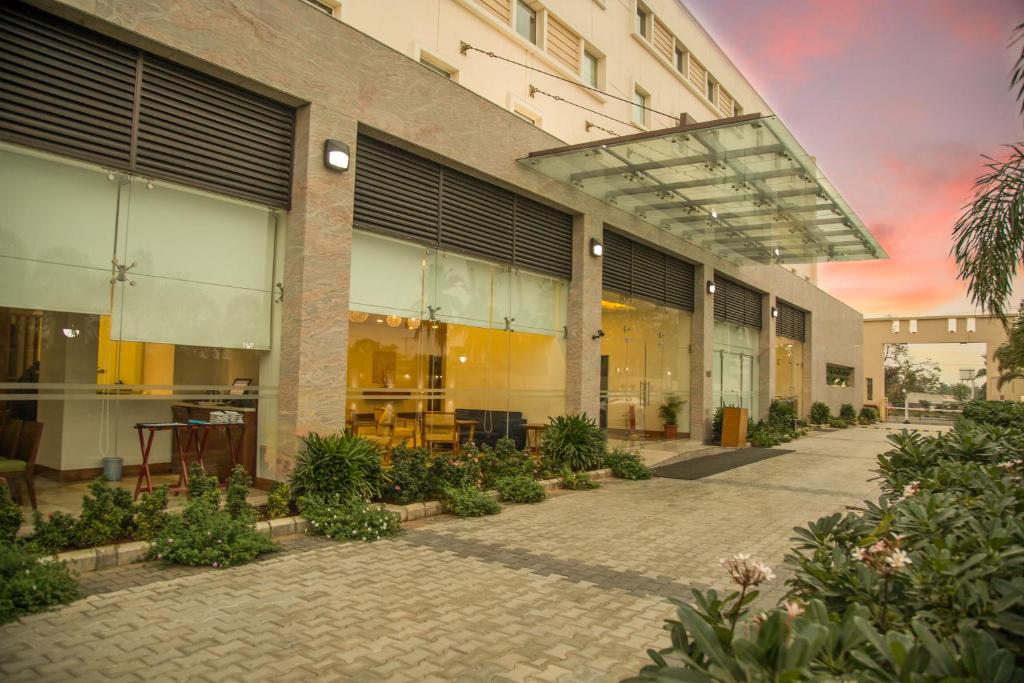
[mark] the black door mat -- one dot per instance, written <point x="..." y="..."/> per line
<point x="698" y="468"/>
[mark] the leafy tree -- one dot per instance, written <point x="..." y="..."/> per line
<point x="989" y="237"/>
<point x="1010" y="355"/>
<point x="903" y="374"/>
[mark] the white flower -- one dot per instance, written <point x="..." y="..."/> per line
<point x="911" y="489"/>
<point x="898" y="559"/>
<point x="766" y="573"/>
<point x="859" y="554"/>
<point x="793" y="609"/>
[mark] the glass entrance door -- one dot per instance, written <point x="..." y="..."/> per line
<point x="734" y="367"/>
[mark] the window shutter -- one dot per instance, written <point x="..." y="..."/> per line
<point x="543" y="239"/>
<point x="663" y="40"/>
<point x="476" y="217"/>
<point x="563" y="43"/>
<point x="396" y="192"/>
<point x="697" y="74"/>
<point x="725" y="103"/>
<point x="637" y="270"/>
<point x="791" y="321"/>
<point x="211" y="134"/>
<point x="501" y="8"/>
<point x="737" y="304"/>
<point x="63" y="88"/>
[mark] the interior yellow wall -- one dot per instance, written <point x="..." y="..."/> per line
<point x="158" y="366"/>
<point x="411" y="349"/>
<point x="789" y="370"/>
<point x="117" y="361"/>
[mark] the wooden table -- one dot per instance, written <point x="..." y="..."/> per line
<point x="146" y="445"/>
<point x="199" y="432"/>
<point x="459" y="424"/>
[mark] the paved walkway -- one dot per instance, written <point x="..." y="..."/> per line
<point x="570" y="590"/>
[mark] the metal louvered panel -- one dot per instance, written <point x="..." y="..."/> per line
<point x="791" y="322"/>
<point x="617" y="263"/>
<point x="543" y="239"/>
<point x="476" y="217"/>
<point x="648" y="273"/>
<point x="396" y="192"/>
<point x="737" y="304"/>
<point x="679" y="284"/>
<point x="63" y="88"/>
<point x="214" y="135"/>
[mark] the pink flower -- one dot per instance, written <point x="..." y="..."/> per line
<point x="898" y="559"/>
<point x="793" y="609"/>
<point x="911" y="489"/>
<point x="859" y="554"/>
<point x="214" y="565"/>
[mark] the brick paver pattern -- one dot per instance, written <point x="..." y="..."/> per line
<point x="573" y="589"/>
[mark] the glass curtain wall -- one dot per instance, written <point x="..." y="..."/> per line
<point x="734" y="366"/>
<point x="127" y="300"/>
<point x="645" y="357"/>
<point x="789" y="372"/>
<point x="438" y="332"/>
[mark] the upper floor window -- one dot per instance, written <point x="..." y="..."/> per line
<point x="711" y="90"/>
<point x="331" y="8"/>
<point x="526" y="21"/>
<point x="588" y="68"/>
<point x="640" y="104"/>
<point x="680" y="60"/>
<point x="436" y="68"/>
<point x="641" y="21"/>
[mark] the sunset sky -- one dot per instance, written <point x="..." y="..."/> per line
<point x="897" y="100"/>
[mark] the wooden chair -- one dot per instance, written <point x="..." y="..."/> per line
<point x="439" y="429"/>
<point x="22" y="466"/>
<point x="9" y="438"/>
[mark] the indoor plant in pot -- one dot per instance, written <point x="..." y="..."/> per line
<point x="669" y="413"/>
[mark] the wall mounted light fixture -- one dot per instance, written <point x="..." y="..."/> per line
<point x="596" y="248"/>
<point x="775" y="312"/>
<point x="598" y="334"/>
<point x="336" y="155"/>
<point x="711" y="286"/>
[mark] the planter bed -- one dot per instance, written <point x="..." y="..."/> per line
<point x="120" y="554"/>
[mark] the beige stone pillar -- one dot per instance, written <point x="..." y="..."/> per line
<point x="811" y="388"/>
<point x="766" y="358"/>
<point x="318" y="250"/>
<point x="583" y="352"/>
<point x="702" y="346"/>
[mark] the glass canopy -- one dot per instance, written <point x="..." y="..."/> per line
<point x="741" y="187"/>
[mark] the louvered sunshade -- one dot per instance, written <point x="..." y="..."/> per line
<point x="741" y="187"/>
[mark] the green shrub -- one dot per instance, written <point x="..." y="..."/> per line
<point x="199" y="482"/>
<point x="1000" y="413"/>
<point x="10" y="517"/>
<point x="151" y="514"/>
<point x="345" y="464"/>
<point x="279" y="500"/>
<point x="838" y="423"/>
<point x="235" y="502"/>
<point x="820" y="413"/>
<point x="573" y="441"/>
<point x="411" y="481"/>
<point x="504" y="460"/>
<point x="847" y="412"/>
<point x="206" y="535"/>
<point x="716" y="424"/>
<point x="520" y="489"/>
<point x="469" y="502"/>
<point x="627" y="465"/>
<point x="348" y="520"/>
<point x="669" y="410"/>
<point x="577" y="481"/>
<point x="868" y="415"/>
<point x="28" y="585"/>
<point x="52" y="534"/>
<point x="458" y="471"/>
<point x="106" y="515"/>
<point x="782" y="415"/>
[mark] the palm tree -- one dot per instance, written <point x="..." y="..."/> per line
<point x="989" y="237"/>
<point x="1010" y="355"/>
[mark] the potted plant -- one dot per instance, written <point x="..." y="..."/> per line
<point x="669" y="412"/>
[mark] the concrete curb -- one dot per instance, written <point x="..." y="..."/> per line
<point x="121" y="554"/>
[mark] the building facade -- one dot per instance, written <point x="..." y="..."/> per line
<point x="263" y="209"/>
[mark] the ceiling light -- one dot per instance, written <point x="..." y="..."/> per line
<point x="394" y="320"/>
<point x="358" y="316"/>
<point x="596" y="248"/>
<point x="462" y="359"/>
<point x="336" y="155"/>
<point x="711" y="286"/>
<point x="71" y="332"/>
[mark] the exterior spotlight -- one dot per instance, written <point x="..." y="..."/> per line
<point x="776" y="251"/>
<point x="714" y="214"/>
<point x="711" y="286"/>
<point x="596" y="248"/>
<point x="775" y="312"/>
<point x="336" y="155"/>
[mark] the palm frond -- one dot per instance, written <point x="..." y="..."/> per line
<point x="1017" y="80"/>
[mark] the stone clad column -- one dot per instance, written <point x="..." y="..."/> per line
<point x="702" y="345"/>
<point x="766" y="358"/>
<point x="583" y="353"/>
<point x="318" y="251"/>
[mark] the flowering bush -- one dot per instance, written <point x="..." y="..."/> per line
<point x="346" y="520"/>
<point x="28" y="585"/>
<point x="925" y="584"/>
<point x="204" y="534"/>
<point x="410" y="476"/>
<point x="106" y="515"/>
<point x="459" y="471"/>
<point x="10" y="516"/>
<point x="504" y="460"/>
<point x="520" y="489"/>
<point x="577" y="481"/>
<point x="627" y="465"/>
